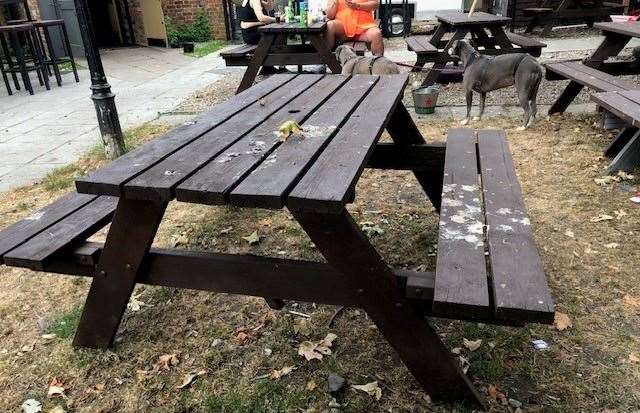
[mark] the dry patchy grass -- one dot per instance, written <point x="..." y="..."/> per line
<point x="587" y="367"/>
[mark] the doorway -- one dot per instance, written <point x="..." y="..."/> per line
<point x="110" y="22"/>
<point x="153" y="20"/>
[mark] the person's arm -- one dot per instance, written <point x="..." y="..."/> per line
<point x="368" y="5"/>
<point x="331" y="8"/>
<point x="256" y="5"/>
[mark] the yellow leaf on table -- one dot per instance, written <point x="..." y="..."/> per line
<point x="372" y="389"/>
<point x="561" y="321"/>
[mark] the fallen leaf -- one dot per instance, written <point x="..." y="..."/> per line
<point x="252" y="239"/>
<point x="371" y="229"/>
<point x="625" y="176"/>
<point x="372" y="389"/>
<point x="311" y="385"/>
<point x="142" y="374"/>
<point x="315" y="350"/>
<point x="190" y="377"/>
<point x="289" y="128"/>
<point x="302" y="326"/>
<point x="472" y="345"/>
<point x="569" y="233"/>
<point x="48" y="337"/>
<point x="494" y="393"/>
<point x="135" y="304"/>
<point x="31" y="406"/>
<point x="464" y="364"/>
<point x="277" y="374"/>
<point x="633" y="358"/>
<point x="606" y="180"/>
<point x="178" y="239"/>
<point x="165" y="362"/>
<point x="28" y="348"/>
<point x="57" y="409"/>
<point x="561" y="321"/>
<point x="630" y="301"/>
<point x="456" y="350"/>
<point x="612" y="245"/>
<point x="56" y="388"/>
<point x="620" y="213"/>
<point x="602" y="217"/>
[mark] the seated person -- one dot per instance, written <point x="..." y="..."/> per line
<point x="353" y="20"/>
<point x="254" y="13"/>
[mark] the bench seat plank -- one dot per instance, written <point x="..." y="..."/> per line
<point x="620" y="105"/>
<point x="520" y="287"/>
<point x="461" y="286"/>
<point x="421" y="45"/>
<point x="588" y="76"/>
<point x="108" y="179"/>
<point x="158" y="182"/>
<point x="524" y="41"/>
<point x="268" y="185"/>
<point x="16" y="234"/>
<point x="330" y="181"/>
<point x="74" y="228"/>
<point x="239" y="51"/>
<point x="212" y="183"/>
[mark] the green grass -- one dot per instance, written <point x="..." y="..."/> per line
<point x="265" y="397"/>
<point x="65" y="324"/>
<point x="66" y="67"/>
<point x="203" y="49"/>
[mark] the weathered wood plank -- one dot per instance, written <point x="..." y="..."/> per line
<point x="267" y="186"/>
<point x="212" y="183"/>
<point x="520" y="288"/>
<point x="620" y="105"/>
<point x="587" y="76"/>
<point x="15" y="235"/>
<point x="457" y="19"/>
<point x="461" y="286"/>
<point x="159" y="181"/>
<point x="108" y="179"/>
<point x="329" y="182"/>
<point x="62" y="235"/>
<point x="631" y="29"/>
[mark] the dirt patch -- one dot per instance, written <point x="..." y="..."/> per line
<point x="237" y="342"/>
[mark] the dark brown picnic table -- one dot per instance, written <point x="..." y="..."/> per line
<point x="274" y="49"/>
<point x="616" y="38"/>
<point x="488" y="269"/>
<point x="587" y="10"/>
<point x="487" y="36"/>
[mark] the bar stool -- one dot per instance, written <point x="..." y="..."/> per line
<point x="50" y="58"/>
<point x="19" y="37"/>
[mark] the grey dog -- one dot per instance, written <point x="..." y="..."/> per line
<point x="484" y="74"/>
<point x="352" y="64"/>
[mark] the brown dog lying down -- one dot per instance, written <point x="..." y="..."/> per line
<point x="352" y="64"/>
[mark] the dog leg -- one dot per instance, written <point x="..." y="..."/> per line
<point x="523" y="97"/>
<point x="533" y="111"/>
<point x="469" y="102"/>
<point x="483" y="98"/>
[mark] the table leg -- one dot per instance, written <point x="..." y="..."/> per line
<point x="620" y="141"/>
<point x="612" y="44"/>
<point x="403" y="131"/>
<point x="348" y="250"/>
<point x="443" y="58"/>
<point x="261" y="52"/>
<point x="628" y="158"/>
<point x="134" y="226"/>
<point x="325" y="54"/>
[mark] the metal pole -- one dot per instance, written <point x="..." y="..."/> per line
<point x="101" y="94"/>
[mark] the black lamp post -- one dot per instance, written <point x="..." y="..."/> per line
<point x="101" y="94"/>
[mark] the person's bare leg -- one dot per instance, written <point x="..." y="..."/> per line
<point x="373" y="37"/>
<point x="334" y="33"/>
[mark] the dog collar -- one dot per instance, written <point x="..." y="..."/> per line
<point x="372" y="62"/>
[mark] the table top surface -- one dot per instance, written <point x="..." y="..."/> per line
<point x="478" y="18"/>
<point x="626" y="28"/>
<point x="234" y="153"/>
<point x="294" y="27"/>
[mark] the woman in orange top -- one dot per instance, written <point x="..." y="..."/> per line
<point x="353" y="20"/>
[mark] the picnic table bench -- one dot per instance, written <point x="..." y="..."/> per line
<point x="546" y="16"/>
<point x="488" y="268"/>
<point x="594" y="71"/>
<point x="487" y="36"/>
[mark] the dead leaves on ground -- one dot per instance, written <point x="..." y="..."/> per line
<point x="277" y="374"/>
<point x="472" y="345"/>
<point x="190" y="377"/>
<point x="562" y="321"/>
<point x="311" y="350"/>
<point x="56" y="388"/>
<point x="372" y="389"/>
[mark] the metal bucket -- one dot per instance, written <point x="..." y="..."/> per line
<point x="425" y="99"/>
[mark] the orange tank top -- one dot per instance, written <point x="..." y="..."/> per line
<point x="355" y="22"/>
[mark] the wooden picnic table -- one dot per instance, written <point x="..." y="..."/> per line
<point x="274" y="49"/>
<point x="488" y="269"/>
<point x="487" y="36"/>
<point x="616" y="38"/>
<point x="589" y="11"/>
<point x="625" y="148"/>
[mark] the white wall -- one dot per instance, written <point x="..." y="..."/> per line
<point x="425" y="9"/>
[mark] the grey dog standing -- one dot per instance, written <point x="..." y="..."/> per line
<point x="484" y="74"/>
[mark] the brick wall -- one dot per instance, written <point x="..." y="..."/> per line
<point x="185" y="11"/>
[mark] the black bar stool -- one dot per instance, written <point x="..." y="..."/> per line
<point x="50" y="58"/>
<point x="21" y="37"/>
